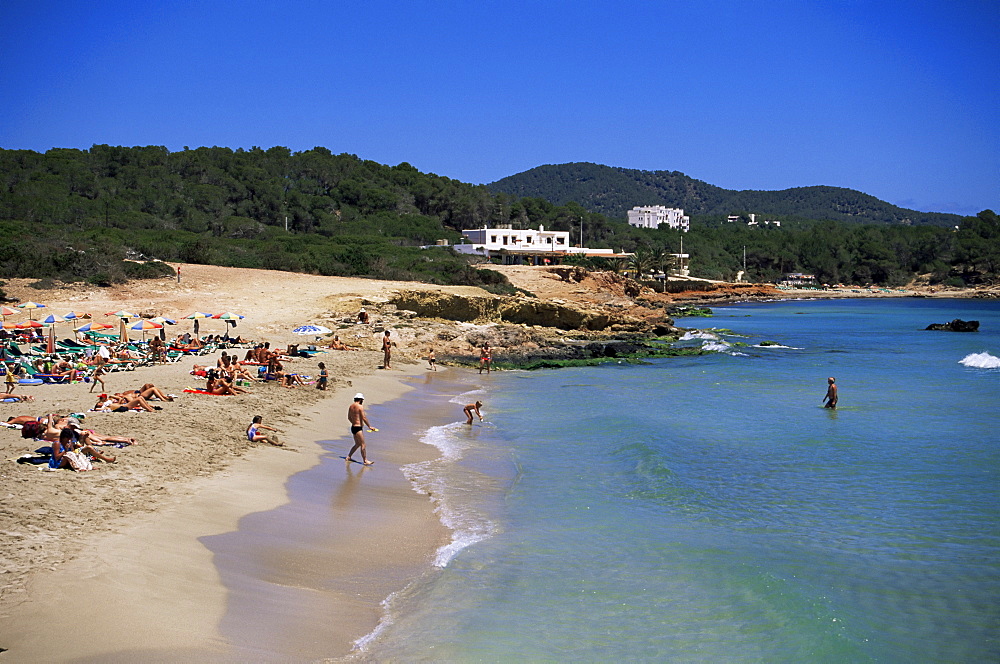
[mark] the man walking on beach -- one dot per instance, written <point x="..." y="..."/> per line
<point x="356" y="416"/>
<point x="831" y="394"/>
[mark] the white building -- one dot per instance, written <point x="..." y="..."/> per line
<point x="517" y="246"/>
<point x="651" y="216"/>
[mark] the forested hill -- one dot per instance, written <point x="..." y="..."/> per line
<point x="612" y="191"/>
<point x="313" y="211"/>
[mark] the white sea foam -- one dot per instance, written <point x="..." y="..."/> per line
<point x="383" y="622"/>
<point x="981" y="361"/>
<point x="467" y="525"/>
<point x="698" y="334"/>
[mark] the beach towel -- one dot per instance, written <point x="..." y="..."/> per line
<point x="78" y="461"/>
<point x="193" y="391"/>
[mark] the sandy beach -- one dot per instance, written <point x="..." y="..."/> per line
<point x="142" y="553"/>
<point x="122" y="544"/>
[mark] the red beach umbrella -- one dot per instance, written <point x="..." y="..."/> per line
<point x="146" y="325"/>
<point x="93" y="327"/>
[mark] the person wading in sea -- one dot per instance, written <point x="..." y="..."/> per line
<point x="831" y="394"/>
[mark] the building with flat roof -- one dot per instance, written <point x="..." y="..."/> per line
<point x="526" y="246"/>
<point x="653" y="216"/>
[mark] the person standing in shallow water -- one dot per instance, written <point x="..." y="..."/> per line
<point x="356" y="416"/>
<point x="831" y="393"/>
<point x="485" y="358"/>
<point x="473" y="408"/>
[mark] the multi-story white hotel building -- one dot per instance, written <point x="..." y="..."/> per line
<point x="651" y="216"/>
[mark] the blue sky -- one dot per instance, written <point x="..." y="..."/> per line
<point x="900" y="100"/>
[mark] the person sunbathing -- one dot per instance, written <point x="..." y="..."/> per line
<point x="149" y="390"/>
<point x="194" y="344"/>
<point x="337" y="344"/>
<point x="24" y="419"/>
<point x="126" y="354"/>
<point x="121" y="403"/>
<point x="55" y="424"/>
<point x="64" y="369"/>
<point x="18" y="397"/>
<point x="291" y="379"/>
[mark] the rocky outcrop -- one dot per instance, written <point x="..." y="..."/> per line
<point x="957" y="325"/>
<point x="511" y="309"/>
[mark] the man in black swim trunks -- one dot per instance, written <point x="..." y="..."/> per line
<point x="831" y="393"/>
<point x="356" y="416"/>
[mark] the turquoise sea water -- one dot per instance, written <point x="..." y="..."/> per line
<point x="709" y="509"/>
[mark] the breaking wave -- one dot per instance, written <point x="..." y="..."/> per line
<point x="980" y="361"/>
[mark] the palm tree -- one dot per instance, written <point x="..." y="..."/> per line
<point x="641" y="261"/>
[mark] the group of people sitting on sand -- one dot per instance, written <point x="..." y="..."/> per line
<point x="71" y="445"/>
<point x="271" y="360"/>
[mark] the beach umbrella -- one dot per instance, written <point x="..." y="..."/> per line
<point x="164" y="322"/>
<point x="9" y="326"/>
<point x="123" y="331"/>
<point x="312" y="329"/>
<point x="228" y="316"/>
<point x="196" y="316"/>
<point x="52" y="319"/>
<point x="29" y="306"/>
<point x="121" y="314"/>
<point x="89" y="327"/>
<point x="146" y="325"/>
<point x="28" y="324"/>
<point x="75" y="315"/>
<point x="6" y="311"/>
<point x="50" y="343"/>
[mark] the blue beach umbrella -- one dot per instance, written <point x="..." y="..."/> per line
<point x="311" y="329"/>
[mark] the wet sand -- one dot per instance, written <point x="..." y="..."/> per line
<point x="176" y="584"/>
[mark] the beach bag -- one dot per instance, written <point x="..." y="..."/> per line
<point x="78" y="461"/>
